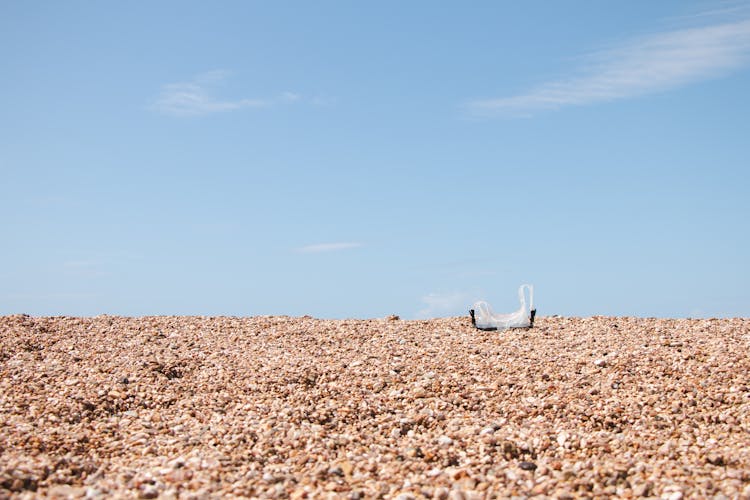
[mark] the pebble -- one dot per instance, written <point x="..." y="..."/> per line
<point x="445" y="441"/>
<point x="149" y="491"/>
<point x="441" y="493"/>
<point x="672" y="493"/>
<point x="527" y="465"/>
<point x="405" y="496"/>
<point x="66" y="491"/>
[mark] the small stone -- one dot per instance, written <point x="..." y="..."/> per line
<point x="64" y="491"/>
<point x="170" y="494"/>
<point x="444" y="441"/>
<point x="527" y="465"/>
<point x="456" y="495"/>
<point x="93" y="493"/>
<point x="642" y="489"/>
<point x="420" y="393"/>
<point x="336" y="471"/>
<point x="441" y="493"/>
<point x="467" y="484"/>
<point x="601" y="363"/>
<point x="347" y="467"/>
<point x="405" y="496"/>
<point x="149" y="491"/>
<point x="672" y="493"/>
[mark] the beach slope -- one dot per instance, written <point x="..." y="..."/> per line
<point x="300" y="407"/>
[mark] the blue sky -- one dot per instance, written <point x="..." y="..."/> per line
<point x="345" y="159"/>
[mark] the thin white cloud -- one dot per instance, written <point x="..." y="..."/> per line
<point x="648" y="64"/>
<point x="79" y="264"/>
<point x="723" y="10"/>
<point x="323" y="101"/>
<point x="194" y="97"/>
<point x="290" y="96"/>
<point x="444" y="304"/>
<point x="328" y="247"/>
<point x="47" y="296"/>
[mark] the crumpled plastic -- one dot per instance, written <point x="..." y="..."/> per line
<point x="484" y="319"/>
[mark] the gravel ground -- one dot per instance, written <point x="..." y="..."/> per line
<point x="197" y="407"/>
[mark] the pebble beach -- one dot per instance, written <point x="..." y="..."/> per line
<point x="298" y="407"/>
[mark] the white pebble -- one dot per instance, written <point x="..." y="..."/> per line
<point x="445" y="441"/>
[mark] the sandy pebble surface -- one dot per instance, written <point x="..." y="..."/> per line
<point x="200" y="407"/>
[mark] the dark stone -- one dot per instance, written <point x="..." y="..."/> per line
<point x="336" y="471"/>
<point x="527" y="465"/>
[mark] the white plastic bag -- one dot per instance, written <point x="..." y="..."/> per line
<point x="484" y="319"/>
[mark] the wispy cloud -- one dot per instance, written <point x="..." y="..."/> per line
<point x="323" y="101"/>
<point x="444" y="304"/>
<point x="644" y="65"/>
<point x="328" y="247"/>
<point x="79" y="264"/>
<point x="290" y="96"/>
<point x="197" y="97"/>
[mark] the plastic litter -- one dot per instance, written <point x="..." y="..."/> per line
<point x="483" y="318"/>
